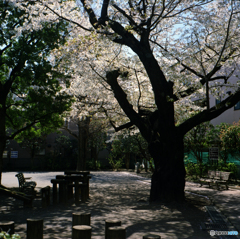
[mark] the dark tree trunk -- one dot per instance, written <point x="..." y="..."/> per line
<point x="32" y="152"/>
<point x="127" y="160"/>
<point x="80" y="161"/>
<point x="94" y="154"/>
<point x="2" y="139"/>
<point x="83" y="129"/>
<point x="168" y="180"/>
<point x="2" y="147"/>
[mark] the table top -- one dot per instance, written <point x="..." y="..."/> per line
<point x="74" y="177"/>
<point x="70" y="177"/>
<point x="70" y="172"/>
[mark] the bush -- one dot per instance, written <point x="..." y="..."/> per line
<point x="93" y="165"/>
<point x="197" y="170"/>
<point x="115" y="162"/>
<point x="5" y="235"/>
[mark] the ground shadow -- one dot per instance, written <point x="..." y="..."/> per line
<point x="114" y="196"/>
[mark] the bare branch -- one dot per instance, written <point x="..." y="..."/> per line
<point x="132" y="22"/>
<point x="226" y="40"/>
<point x="139" y="89"/>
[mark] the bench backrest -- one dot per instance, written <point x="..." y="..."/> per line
<point x="211" y="174"/>
<point x="21" y="179"/>
<point x="225" y="175"/>
<point x="219" y="175"/>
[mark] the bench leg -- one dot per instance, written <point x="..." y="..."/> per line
<point x="70" y="191"/>
<point x="76" y="192"/>
<point x="54" y="193"/>
<point x="63" y="196"/>
<point x="84" y="192"/>
<point x="218" y="186"/>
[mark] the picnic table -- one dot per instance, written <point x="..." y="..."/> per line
<point x="79" y="180"/>
<point x="85" y="179"/>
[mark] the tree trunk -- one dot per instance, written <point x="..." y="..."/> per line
<point x="2" y="139"/>
<point x="168" y="179"/>
<point x="94" y="155"/>
<point x="80" y="149"/>
<point x="127" y="160"/>
<point x="2" y="147"/>
<point x="83" y="132"/>
<point x="32" y="152"/>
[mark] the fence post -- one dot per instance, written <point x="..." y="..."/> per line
<point x="111" y="223"/>
<point x="35" y="228"/>
<point x="117" y="232"/>
<point x="7" y="226"/>
<point x="45" y="193"/>
<point x="81" y="219"/>
<point x="81" y="232"/>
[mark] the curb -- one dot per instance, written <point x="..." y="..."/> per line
<point x="229" y="217"/>
<point x="222" y="209"/>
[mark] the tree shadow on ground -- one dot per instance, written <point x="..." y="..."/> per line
<point x="125" y="200"/>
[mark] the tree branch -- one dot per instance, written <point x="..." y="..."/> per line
<point x="124" y="126"/>
<point x="64" y="18"/>
<point x="70" y="132"/>
<point x="92" y="17"/>
<point x="21" y="130"/>
<point x="132" y="22"/>
<point x="210" y="114"/>
<point x="121" y="97"/>
<point x="104" y="12"/>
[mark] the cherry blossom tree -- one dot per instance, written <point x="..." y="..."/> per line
<point x="187" y="51"/>
<point x="95" y="107"/>
<point x="199" y="40"/>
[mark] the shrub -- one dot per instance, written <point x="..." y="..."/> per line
<point x="5" y="235"/>
<point x="93" y="164"/>
<point x="115" y="162"/>
<point x="197" y="170"/>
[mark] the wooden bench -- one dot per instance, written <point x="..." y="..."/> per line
<point x="217" y="178"/>
<point x="26" y="186"/>
<point x="27" y="199"/>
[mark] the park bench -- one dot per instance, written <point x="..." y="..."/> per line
<point x="217" y="178"/>
<point x="26" y="186"/>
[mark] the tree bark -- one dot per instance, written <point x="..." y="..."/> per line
<point x="2" y="139"/>
<point x="168" y="179"/>
<point x="83" y="133"/>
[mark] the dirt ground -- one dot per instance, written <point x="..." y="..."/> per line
<point x="114" y="196"/>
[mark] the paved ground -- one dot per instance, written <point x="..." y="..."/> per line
<point x="123" y="196"/>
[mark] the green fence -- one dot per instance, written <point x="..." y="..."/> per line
<point x="190" y="157"/>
